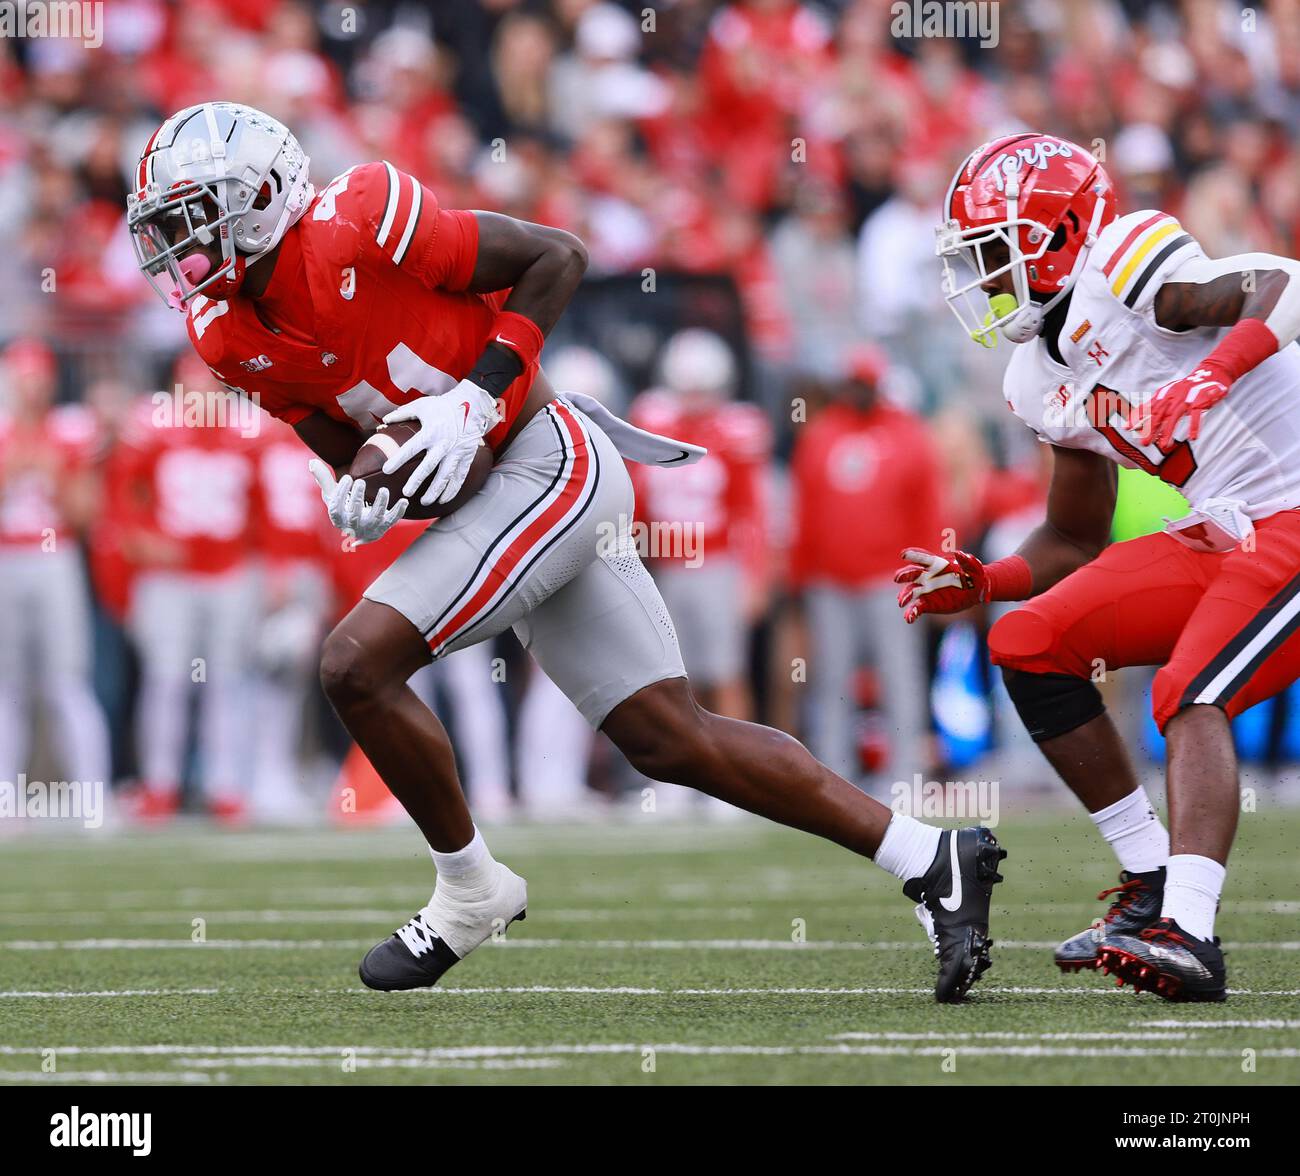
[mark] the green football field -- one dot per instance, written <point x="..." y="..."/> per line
<point x="652" y="953"/>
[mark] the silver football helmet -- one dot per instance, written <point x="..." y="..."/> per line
<point x="221" y="173"/>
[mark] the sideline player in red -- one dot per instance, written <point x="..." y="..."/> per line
<point x="368" y="302"/>
<point x="48" y="496"/>
<point x="1127" y="335"/>
<point x="715" y="507"/>
<point x="186" y="486"/>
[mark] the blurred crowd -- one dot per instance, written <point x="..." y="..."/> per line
<point x="163" y="588"/>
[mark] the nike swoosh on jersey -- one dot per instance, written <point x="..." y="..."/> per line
<point x="953" y="901"/>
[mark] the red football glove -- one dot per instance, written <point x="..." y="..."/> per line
<point x="1189" y="397"/>
<point x="1241" y="350"/>
<point x="939" y="583"/>
<point x="948" y="584"/>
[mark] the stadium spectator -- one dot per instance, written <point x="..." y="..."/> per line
<point x="866" y="481"/>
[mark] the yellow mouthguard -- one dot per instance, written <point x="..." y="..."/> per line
<point x="1000" y="305"/>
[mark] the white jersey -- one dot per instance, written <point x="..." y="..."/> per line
<point x="1246" y="460"/>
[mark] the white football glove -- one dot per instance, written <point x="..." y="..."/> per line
<point x="452" y="427"/>
<point x="345" y="499"/>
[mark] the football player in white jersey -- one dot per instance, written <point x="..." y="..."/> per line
<point x="1127" y="334"/>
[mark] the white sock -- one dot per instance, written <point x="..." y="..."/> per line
<point x="1192" y="888"/>
<point x="1132" y="829"/>
<point x="908" y="847"/>
<point x="466" y="869"/>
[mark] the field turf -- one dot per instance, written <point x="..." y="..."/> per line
<point x="653" y="952"/>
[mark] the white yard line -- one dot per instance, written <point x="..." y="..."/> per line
<point x="181" y="916"/>
<point x="44" y="995"/>
<point x="333" y="1056"/>
<point x="1258" y="1024"/>
<point x="624" y="990"/>
<point x="79" y="1077"/>
<point x="918" y="944"/>
<point x="335" y="896"/>
<point x="1009" y="1035"/>
<point x="171" y="944"/>
<point x="377" y="1063"/>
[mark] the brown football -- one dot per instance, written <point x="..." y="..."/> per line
<point x="369" y="464"/>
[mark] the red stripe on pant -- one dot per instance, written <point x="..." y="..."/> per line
<point x="531" y="536"/>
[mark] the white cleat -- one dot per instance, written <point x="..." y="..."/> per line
<point x="453" y="923"/>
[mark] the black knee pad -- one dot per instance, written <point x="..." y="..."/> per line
<point x="1052" y="704"/>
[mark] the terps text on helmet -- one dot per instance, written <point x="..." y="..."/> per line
<point x="72" y="19"/>
<point x="930" y="18"/>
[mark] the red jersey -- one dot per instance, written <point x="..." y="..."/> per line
<point x="199" y="486"/>
<point x="33" y="460"/>
<point x="866" y="485"/>
<point x="367" y="308"/>
<point x="721" y="494"/>
<point x="289" y="522"/>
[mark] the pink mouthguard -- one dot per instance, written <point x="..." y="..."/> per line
<point x="194" y="269"/>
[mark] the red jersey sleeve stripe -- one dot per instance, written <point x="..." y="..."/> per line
<point x="390" y="206"/>
<point x="1128" y="241"/>
<point x="411" y="221"/>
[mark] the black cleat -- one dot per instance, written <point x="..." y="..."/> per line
<point x="1136" y="907"/>
<point x="414" y="956"/>
<point x="1164" y="959"/>
<point x="953" y="897"/>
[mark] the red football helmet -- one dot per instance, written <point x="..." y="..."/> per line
<point x="1045" y="199"/>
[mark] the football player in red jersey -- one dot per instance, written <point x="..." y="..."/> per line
<point x="707" y="525"/>
<point x="48" y="495"/>
<point x="186" y="485"/>
<point x="368" y="302"/>
<point x="294" y="545"/>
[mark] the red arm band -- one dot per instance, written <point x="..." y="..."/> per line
<point x="1242" y="349"/>
<point x="523" y="336"/>
<point x="1008" y="579"/>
